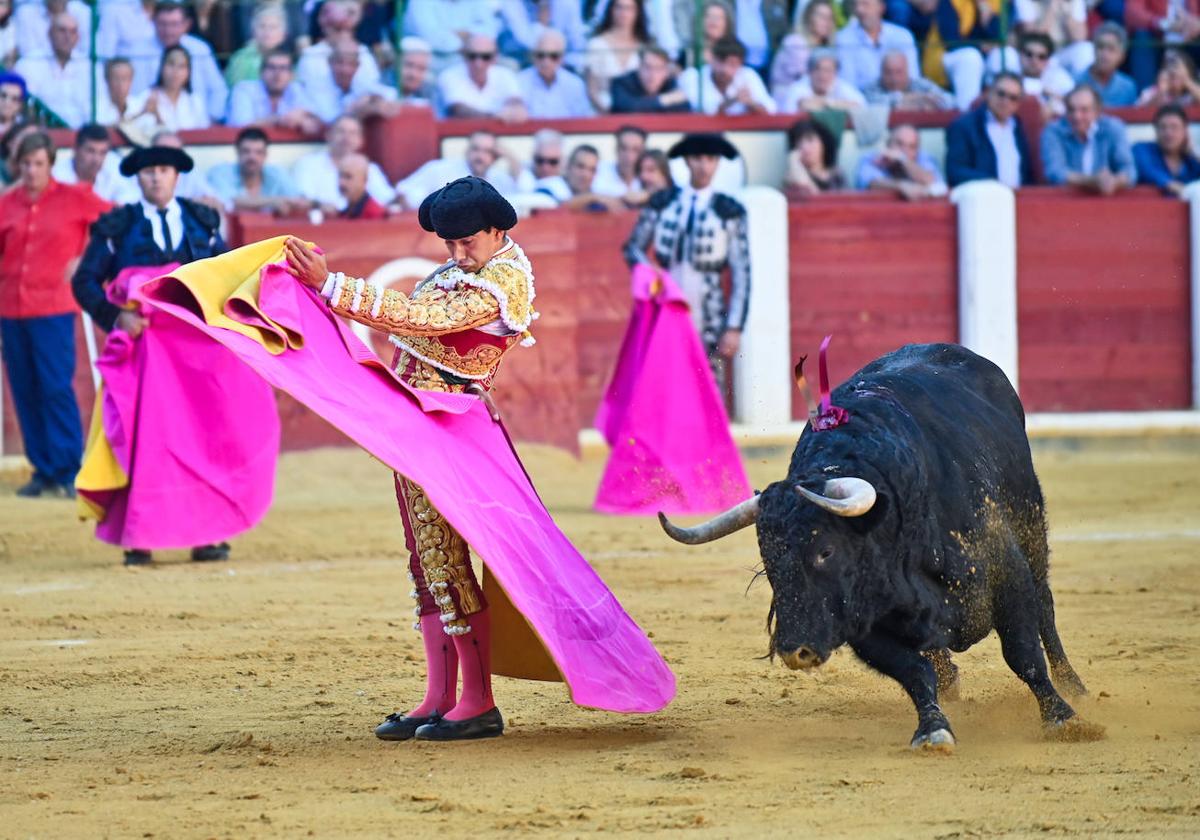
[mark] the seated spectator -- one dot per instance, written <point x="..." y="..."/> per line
<point x="478" y="87"/>
<point x="581" y="173"/>
<point x="1153" y="23"/>
<point x="726" y="86"/>
<point x="171" y="23"/>
<point x="1176" y="83"/>
<point x="268" y="30"/>
<point x="526" y="21"/>
<point x="1169" y="162"/>
<point x="956" y="33"/>
<point x="32" y="23"/>
<point x="93" y="164"/>
<point x="315" y="174"/>
<point x="12" y="100"/>
<point x="716" y="24"/>
<point x="352" y="184"/>
<point x="898" y="89"/>
<point x="273" y="99"/>
<point x="812" y="159"/>
<point x="170" y="104"/>
<point x="650" y="89"/>
<point x="446" y="24"/>
<point x="337" y="20"/>
<point x="484" y="159"/>
<point x="341" y="90"/>
<point x="550" y="90"/>
<point x="1064" y="22"/>
<point x="1086" y="150"/>
<point x="252" y="184"/>
<point x="989" y="142"/>
<point x="113" y="102"/>
<point x="619" y="178"/>
<point x="61" y="78"/>
<point x="1041" y="76"/>
<point x="547" y="164"/>
<point x="822" y="89"/>
<point x="654" y="174"/>
<point x="416" y="85"/>
<point x="127" y="30"/>
<point x="614" y="49"/>
<point x="862" y="43"/>
<point x="8" y="35"/>
<point x="1115" y="88"/>
<point x="901" y="167"/>
<point x="816" y="30"/>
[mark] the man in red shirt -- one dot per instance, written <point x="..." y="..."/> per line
<point x="43" y="228"/>
<point x="352" y="184"/>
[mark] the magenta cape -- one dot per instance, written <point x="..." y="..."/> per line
<point x="183" y="450"/>
<point x="663" y="416"/>
<point x="448" y="444"/>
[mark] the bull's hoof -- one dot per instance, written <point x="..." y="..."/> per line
<point x="939" y="741"/>
<point x="1074" y="729"/>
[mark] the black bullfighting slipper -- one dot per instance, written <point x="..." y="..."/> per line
<point x="487" y="725"/>
<point x="32" y="488"/>
<point x="137" y="557"/>
<point x="398" y="727"/>
<point x="209" y="553"/>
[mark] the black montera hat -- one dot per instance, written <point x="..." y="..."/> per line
<point x="144" y="156"/>
<point x="703" y="144"/>
<point x="465" y="207"/>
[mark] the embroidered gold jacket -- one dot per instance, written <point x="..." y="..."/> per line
<point x="455" y="327"/>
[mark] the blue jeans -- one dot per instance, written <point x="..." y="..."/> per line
<point x="39" y="361"/>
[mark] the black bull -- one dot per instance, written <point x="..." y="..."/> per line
<point x="916" y="527"/>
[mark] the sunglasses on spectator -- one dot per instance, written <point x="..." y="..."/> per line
<point x="538" y="160"/>
<point x="479" y="56"/>
<point x="1037" y="55"/>
<point x="553" y="56"/>
<point x="1007" y="94"/>
<point x="15" y="97"/>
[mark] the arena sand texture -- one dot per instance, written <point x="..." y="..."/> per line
<point x="237" y="700"/>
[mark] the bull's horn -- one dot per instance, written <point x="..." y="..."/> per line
<point x="734" y="519"/>
<point x="843" y="496"/>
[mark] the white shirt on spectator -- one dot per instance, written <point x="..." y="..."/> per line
<point x="313" y="67"/>
<point x="186" y="113"/>
<point x="458" y="89"/>
<point x="125" y="30"/>
<point x="802" y="90"/>
<point x="32" y="21"/>
<point x="1004" y="143"/>
<point x="438" y="22"/>
<point x="64" y="90"/>
<point x="860" y="57"/>
<point x="521" y="20"/>
<point x="208" y="83"/>
<point x="328" y="101"/>
<point x="608" y="180"/>
<point x="556" y="187"/>
<point x="249" y="102"/>
<point x="435" y="174"/>
<point x="704" y="97"/>
<point x="317" y="179"/>
<point x="565" y="98"/>
<point x="106" y="111"/>
<point x="109" y="184"/>
<point x="752" y="32"/>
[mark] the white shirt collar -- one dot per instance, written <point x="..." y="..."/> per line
<point x="703" y="196"/>
<point x="991" y="120"/>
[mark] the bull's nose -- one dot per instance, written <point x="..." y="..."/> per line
<point x="802" y="658"/>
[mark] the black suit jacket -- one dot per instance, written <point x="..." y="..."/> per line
<point x="629" y="97"/>
<point x="969" y="152"/>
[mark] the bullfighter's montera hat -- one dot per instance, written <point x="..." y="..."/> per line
<point x="703" y="144"/>
<point x="144" y="156"/>
<point x="465" y="207"/>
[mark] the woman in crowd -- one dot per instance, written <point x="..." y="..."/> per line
<point x="812" y="159"/>
<point x="170" y="104"/>
<point x="1169" y="162"/>
<point x="653" y="173"/>
<point x="716" y="22"/>
<point x="268" y="29"/>
<point x="817" y="28"/>
<point x="1177" y="83"/>
<point x="613" y="50"/>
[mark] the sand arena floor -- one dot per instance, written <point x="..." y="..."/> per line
<point x="237" y="700"/>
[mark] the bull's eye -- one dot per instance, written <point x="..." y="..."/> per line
<point x="823" y="556"/>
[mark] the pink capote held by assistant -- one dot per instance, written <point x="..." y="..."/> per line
<point x="663" y="416"/>
<point x="448" y="444"/>
<point x="193" y="432"/>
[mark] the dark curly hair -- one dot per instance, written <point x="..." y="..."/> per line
<point x="811" y="128"/>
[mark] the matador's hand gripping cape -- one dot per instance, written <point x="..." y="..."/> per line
<point x="449" y="445"/>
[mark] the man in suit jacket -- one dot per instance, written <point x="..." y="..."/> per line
<point x="1086" y="150"/>
<point x="989" y="142"/>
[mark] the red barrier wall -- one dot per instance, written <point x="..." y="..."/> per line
<point x="1102" y="295"/>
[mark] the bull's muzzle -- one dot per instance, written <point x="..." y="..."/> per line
<point x="802" y="658"/>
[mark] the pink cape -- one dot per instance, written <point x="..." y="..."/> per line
<point x="195" y="431"/>
<point x="663" y="416"/>
<point x="449" y="445"/>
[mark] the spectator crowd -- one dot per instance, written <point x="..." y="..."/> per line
<point x="322" y="67"/>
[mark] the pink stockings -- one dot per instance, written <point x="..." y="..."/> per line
<point x="444" y="656"/>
